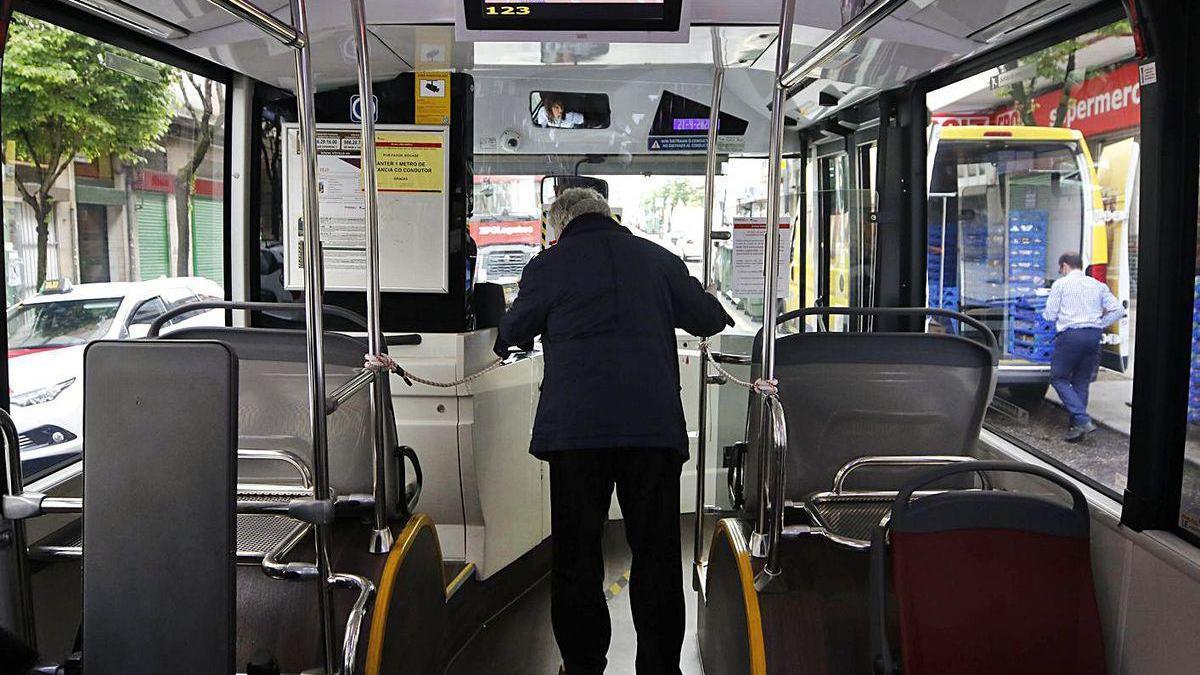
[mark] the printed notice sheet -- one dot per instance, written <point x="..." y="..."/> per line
<point x="749" y="243"/>
<point x="412" y="176"/>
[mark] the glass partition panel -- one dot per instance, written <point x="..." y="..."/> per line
<point x="113" y="213"/>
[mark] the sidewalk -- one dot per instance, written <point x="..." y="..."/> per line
<point x="1108" y="401"/>
<point x="1108" y="404"/>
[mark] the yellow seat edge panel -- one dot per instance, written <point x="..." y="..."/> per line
<point x="741" y="551"/>
<point x="387" y="580"/>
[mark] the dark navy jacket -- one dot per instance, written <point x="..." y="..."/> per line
<point x="606" y="303"/>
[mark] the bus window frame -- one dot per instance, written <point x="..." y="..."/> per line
<point x="87" y="25"/>
<point x="1151" y="500"/>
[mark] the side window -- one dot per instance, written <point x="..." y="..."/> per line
<point x="81" y="209"/>
<point x="177" y="297"/>
<point x="1189" y="500"/>
<point x="147" y="312"/>
<point x="1043" y="168"/>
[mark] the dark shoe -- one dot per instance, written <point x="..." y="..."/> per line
<point x="1076" y="434"/>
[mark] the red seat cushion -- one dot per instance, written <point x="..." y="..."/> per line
<point x="986" y="601"/>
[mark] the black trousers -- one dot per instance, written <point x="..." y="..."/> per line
<point x="647" y="484"/>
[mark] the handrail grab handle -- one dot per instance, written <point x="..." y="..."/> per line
<point x="157" y="324"/>
<point x="358" y="614"/>
<point x="989" y="337"/>
<point x="775" y="484"/>
<point x="276" y="455"/>
<point x="350" y="389"/>
<point x="903" y="461"/>
<point x="264" y="21"/>
<point x="864" y="21"/>
<point x="1078" y="500"/>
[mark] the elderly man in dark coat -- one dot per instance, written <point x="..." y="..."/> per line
<point x="606" y="304"/>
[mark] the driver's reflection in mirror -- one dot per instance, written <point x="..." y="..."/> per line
<point x="553" y="113"/>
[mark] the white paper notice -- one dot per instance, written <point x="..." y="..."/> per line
<point x="413" y="198"/>
<point x="749" y="243"/>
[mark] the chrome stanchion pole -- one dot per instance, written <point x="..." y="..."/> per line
<point x="17" y="613"/>
<point x="710" y="188"/>
<point x="759" y="539"/>
<point x="381" y="537"/>
<point x="314" y="321"/>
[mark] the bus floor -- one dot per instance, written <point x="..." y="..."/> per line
<point x="519" y="641"/>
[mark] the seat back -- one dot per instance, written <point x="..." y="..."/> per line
<point x="850" y="395"/>
<point x="160" y="419"/>
<point x="988" y="581"/>
<point x="273" y="410"/>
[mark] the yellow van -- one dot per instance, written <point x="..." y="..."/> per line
<point x="1004" y="203"/>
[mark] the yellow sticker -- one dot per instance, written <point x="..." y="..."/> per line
<point x="410" y="161"/>
<point x="432" y="98"/>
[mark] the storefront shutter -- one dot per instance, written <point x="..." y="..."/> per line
<point x="208" y="242"/>
<point x="154" y="255"/>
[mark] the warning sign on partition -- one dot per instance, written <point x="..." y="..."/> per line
<point x="432" y="100"/>
<point x="749" y="261"/>
<point x="409" y="161"/>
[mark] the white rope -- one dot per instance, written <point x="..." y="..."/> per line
<point x="761" y="385"/>
<point x="381" y="362"/>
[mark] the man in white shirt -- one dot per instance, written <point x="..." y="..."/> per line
<point x="1081" y="308"/>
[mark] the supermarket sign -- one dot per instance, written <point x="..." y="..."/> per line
<point x="1100" y="104"/>
<point x="961" y="120"/>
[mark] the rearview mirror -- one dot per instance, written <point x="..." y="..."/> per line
<point x="553" y="186"/>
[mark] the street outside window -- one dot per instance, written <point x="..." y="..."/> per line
<point x="1037" y="160"/>
<point x="113" y="212"/>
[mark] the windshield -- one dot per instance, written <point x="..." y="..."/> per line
<point x="506" y="197"/>
<point x="60" y="324"/>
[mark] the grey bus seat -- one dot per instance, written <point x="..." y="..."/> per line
<point x="273" y="410"/>
<point x="153" y="412"/>
<point x="848" y="396"/>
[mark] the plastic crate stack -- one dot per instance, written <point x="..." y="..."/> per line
<point x="1030" y="337"/>
<point x="1027" y="251"/>
<point x="1194" y="388"/>
<point x="942" y="253"/>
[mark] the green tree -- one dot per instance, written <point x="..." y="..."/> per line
<point x="1054" y="67"/>
<point x="64" y="97"/>
<point x="669" y="196"/>
<point x="199" y="100"/>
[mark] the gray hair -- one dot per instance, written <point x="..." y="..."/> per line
<point x="572" y="203"/>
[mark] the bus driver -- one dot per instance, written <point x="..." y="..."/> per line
<point x="553" y="114"/>
<point x="607" y="303"/>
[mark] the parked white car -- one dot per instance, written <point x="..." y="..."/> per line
<point x="47" y="334"/>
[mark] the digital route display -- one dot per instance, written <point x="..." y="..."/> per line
<point x="573" y="15"/>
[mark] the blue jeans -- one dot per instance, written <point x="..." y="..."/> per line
<point x="1072" y="369"/>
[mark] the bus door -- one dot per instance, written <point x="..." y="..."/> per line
<point x="840" y="238"/>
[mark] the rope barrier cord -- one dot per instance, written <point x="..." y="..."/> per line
<point x="381" y="362"/>
<point x="761" y="385"/>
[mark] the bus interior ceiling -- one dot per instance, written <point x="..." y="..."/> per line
<point x="643" y="105"/>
